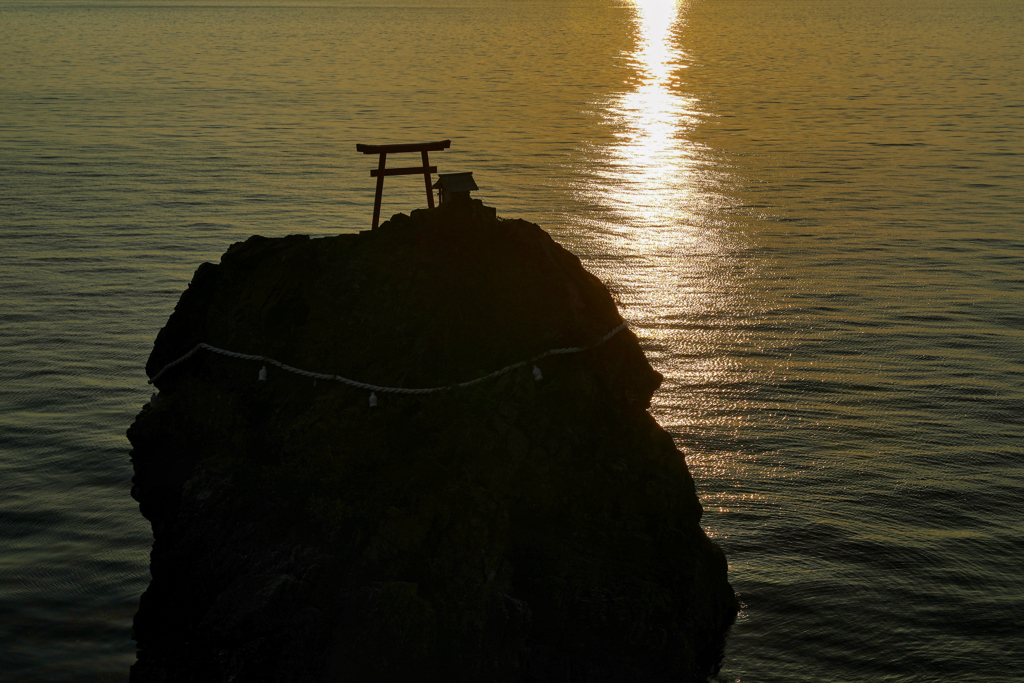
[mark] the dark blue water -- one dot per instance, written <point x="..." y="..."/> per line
<point x="810" y="212"/>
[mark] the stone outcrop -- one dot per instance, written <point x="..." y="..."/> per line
<point x="521" y="529"/>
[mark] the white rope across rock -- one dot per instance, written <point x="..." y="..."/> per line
<point x="384" y="390"/>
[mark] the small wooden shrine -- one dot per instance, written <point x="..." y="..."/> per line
<point x="454" y="186"/>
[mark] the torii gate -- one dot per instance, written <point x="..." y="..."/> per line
<point x="426" y="169"/>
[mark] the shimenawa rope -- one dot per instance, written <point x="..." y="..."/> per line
<point x="374" y="387"/>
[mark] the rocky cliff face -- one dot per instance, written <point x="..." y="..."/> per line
<point x="521" y="529"/>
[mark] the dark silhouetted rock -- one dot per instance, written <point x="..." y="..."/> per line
<point x="516" y="530"/>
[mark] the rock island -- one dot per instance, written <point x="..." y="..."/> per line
<point x="538" y="525"/>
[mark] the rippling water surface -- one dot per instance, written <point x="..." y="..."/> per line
<point x="810" y="212"/>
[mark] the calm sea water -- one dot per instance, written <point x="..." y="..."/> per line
<point x="809" y="211"/>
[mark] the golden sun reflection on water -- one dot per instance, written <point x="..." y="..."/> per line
<point x="676" y="263"/>
<point x="653" y="189"/>
<point x="648" y="179"/>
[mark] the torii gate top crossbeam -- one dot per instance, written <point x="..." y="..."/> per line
<point x="410" y="147"/>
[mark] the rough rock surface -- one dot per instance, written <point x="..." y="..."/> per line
<point x="518" y="530"/>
